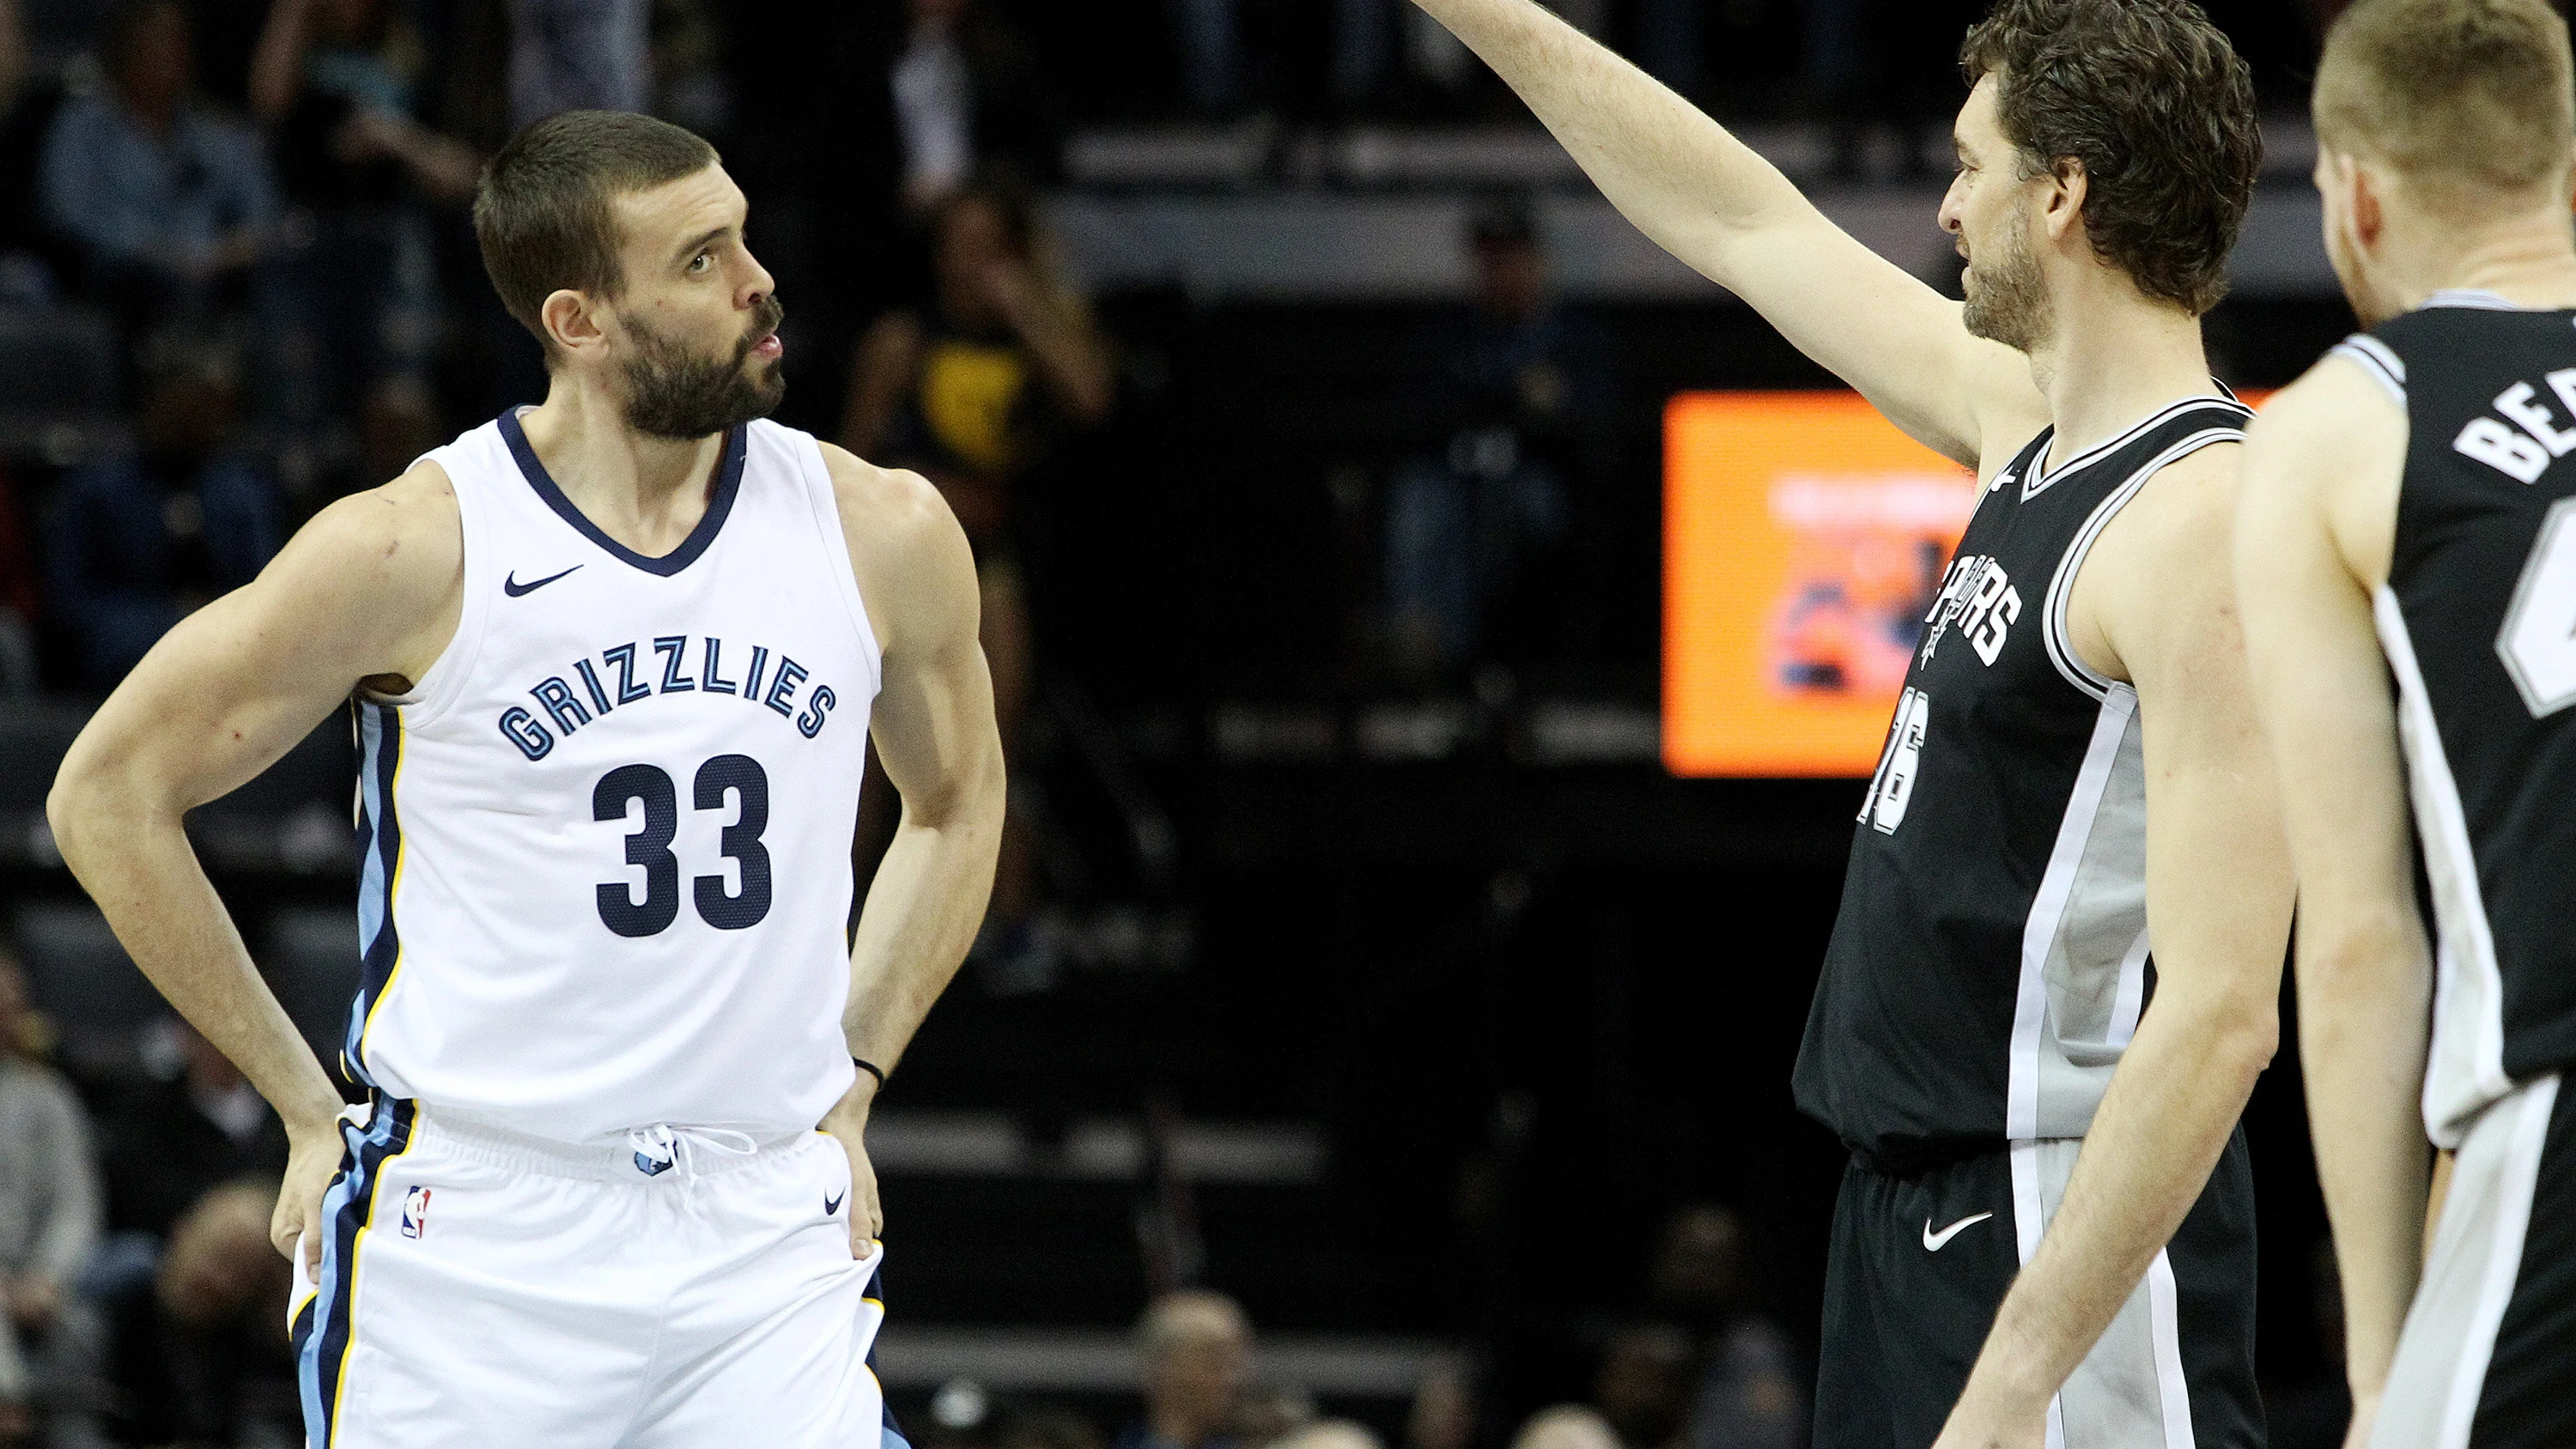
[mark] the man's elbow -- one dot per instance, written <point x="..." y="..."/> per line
<point x="72" y="808"/>
<point x="2236" y="1037"/>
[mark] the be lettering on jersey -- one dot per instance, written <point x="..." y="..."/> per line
<point x="2526" y="447"/>
<point x="622" y="677"/>
<point x="1979" y="599"/>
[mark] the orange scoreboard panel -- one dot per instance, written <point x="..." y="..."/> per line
<point x="1804" y="539"/>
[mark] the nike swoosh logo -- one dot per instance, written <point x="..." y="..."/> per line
<point x="832" y="1205"/>
<point x="1934" y="1242"/>
<point x="514" y="588"/>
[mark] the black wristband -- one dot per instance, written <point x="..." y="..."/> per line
<point x="872" y="1069"/>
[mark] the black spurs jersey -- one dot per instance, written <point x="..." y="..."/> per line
<point x="2478" y="619"/>
<point x="1989" y="961"/>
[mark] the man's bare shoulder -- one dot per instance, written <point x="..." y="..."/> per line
<point x="2335" y="412"/>
<point x="405" y="539"/>
<point x="2178" y="518"/>
<point x="2332" y="448"/>
<point x="2158" y="581"/>
<point x="914" y="567"/>
<point x="888" y="503"/>
<point x="377" y="577"/>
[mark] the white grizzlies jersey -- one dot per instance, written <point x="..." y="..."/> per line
<point x="606" y="841"/>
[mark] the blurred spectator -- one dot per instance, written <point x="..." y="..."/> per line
<point x="1270" y="1415"/>
<point x="1444" y="1410"/>
<point x="1196" y="1349"/>
<point x="135" y="544"/>
<point x="1644" y="1386"/>
<point x="29" y="100"/>
<point x="1566" y="1426"/>
<point x="1328" y="1434"/>
<point x="969" y="95"/>
<point x="167" y="206"/>
<point x="971" y="394"/>
<point x="352" y="306"/>
<point x="1747" y="1394"/>
<point x="190" y="1124"/>
<point x="1522" y="385"/>
<point x="202" y="1349"/>
<point x="579" y="55"/>
<point x="50" y="1340"/>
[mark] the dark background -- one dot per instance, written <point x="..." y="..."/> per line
<point x="1530" y="1008"/>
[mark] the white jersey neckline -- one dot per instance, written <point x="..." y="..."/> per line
<point x="728" y="485"/>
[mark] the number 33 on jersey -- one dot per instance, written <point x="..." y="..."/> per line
<point x="619" y="809"/>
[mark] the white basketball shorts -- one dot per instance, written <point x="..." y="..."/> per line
<point x="481" y="1290"/>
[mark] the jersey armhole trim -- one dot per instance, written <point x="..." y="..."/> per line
<point x="2376" y="360"/>
<point x="438" y="687"/>
<point x="825" y="500"/>
<point x="2061" y="589"/>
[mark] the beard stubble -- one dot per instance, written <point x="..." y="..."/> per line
<point x="672" y="392"/>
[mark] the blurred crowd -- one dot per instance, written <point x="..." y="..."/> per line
<point x="143" y="1303"/>
<point x="1695" y="1367"/>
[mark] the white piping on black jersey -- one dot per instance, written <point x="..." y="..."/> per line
<point x="2042" y="477"/>
<point x="2061" y="589"/>
<point x="2376" y="360"/>
<point x="2477" y="299"/>
<point x="2466" y="1069"/>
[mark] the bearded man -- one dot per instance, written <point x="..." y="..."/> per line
<point x="2046" y="1233"/>
<point x="614" y="662"/>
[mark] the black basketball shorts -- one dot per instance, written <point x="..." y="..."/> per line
<point x="2488" y="1356"/>
<point x="1921" y="1263"/>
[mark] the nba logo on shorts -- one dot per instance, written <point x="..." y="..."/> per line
<point x="415" y="1215"/>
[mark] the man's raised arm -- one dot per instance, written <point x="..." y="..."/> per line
<point x="2321" y="483"/>
<point x="934" y="731"/>
<point x="1713" y="202"/>
<point x="368" y="589"/>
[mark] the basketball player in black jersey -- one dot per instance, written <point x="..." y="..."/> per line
<point x="2030" y="1246"/>
<point x="2407" y="565"/>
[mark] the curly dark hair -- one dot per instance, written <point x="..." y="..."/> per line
<point x="2150" y="99"/>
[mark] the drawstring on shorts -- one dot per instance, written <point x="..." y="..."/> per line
<point x="661" y="1147"/>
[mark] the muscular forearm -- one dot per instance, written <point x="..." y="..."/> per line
<point x="137" y="864"/>
<point x="1670" y="169"/>
<point x="2362" y="1014"/>
<point x="2171" y="1106"/>
<point x="922" y="913"/>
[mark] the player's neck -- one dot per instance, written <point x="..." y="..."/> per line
<point x="647" y="493"/>
<point x="2111" y="361"/>
<point x="2530" y="262"/>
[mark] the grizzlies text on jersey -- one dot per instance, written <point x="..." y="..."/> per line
<point x="606" y="840"/>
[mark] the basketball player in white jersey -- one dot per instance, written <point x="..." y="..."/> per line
<point x="2408" y="575"/>
<point x="2045" y="1143"/>
<point x="614" y="662"/>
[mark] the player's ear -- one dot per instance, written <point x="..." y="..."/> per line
<point x="570" y="321"/>
<point x="2063" y="206"/>
<point x="2369" y="210"/>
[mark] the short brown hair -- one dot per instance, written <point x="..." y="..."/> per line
<point x="2471" y="96"/>
<point x="542" y="212"/>
<point x="2157" y="107"/>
